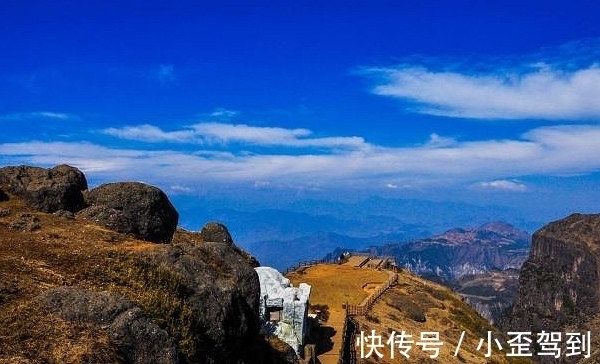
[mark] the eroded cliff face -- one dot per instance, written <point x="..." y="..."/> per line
<point x="559" y="284"/>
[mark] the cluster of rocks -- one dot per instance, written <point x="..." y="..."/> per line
<point x="126" y="207"/>
<point x="214" y="278"/>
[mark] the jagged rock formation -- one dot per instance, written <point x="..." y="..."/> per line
<point x="223" y="292"/>
<point x="132" y="207"/>
<point x="461" y="252"/>
<point x="48" y="190"/>
<point x="559" y="285"/>
<point x="218" y="233"/>
<point x="490" y="293"/>
<point x="215" y="232"/>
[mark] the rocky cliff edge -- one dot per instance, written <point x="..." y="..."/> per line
<point x="559" y="284"/>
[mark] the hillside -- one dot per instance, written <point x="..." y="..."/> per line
<point x="73" y="289"/>
<point x="414" y="305"/>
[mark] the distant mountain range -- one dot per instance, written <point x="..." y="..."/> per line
<point x="462" y="252"/>
<point x="480" y="263"/>
<point x="283" y="254"/>
<point x="281" y="233"/>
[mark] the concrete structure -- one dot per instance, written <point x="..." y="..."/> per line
<point x="284" y="308"/>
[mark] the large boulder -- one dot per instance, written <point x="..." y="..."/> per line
<point x="47" y="190"/>
<point x="216" y="233"/>
<point x="137" y="339"/>
<point x="132" y="207"/>
<point x="222" y="291"/>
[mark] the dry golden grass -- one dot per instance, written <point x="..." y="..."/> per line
<point x="39" y="251"/>
<point x="52" y="252"/>
<point x="416" y="305"/>
<point x="335" y="285"/>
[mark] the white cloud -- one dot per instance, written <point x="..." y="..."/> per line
<point x="561" y="150"/>
<point x="543" y="92"/>
<point x="227" y="133"/>
<point x="151" y="133"/>
<point x="214" y="133"/>
<point x="178" y="189"/>
<point x="436" y="141"/>
<point x="503" y="185"/>
<point x="222" y="113"/>
<point x="37" y="115"/>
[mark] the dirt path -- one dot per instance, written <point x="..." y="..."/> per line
<point x="336" y="322"/>
<point x="334" y="285"/>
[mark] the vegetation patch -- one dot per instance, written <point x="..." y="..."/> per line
<point x="158" y="291"/>
<point x="406" y="305"/>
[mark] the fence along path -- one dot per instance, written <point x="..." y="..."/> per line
<point x="365" y="306"/>
<point x="338" y="319"/>
<point x="347" y="353"/>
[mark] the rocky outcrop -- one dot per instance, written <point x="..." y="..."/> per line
<point x="223" y="292"/>
<point x="47" y="190"/>
<point x="76" y="293"/>
<point x="132" y="207"/>
<point x="217" y="233"/>
<point x="464" y="252"/>
<point x="137" y="339"/>
<point x="490" y="293"/>
<point x="559" y="284"/>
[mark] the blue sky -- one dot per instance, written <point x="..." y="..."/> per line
<point x="475" y="101"/>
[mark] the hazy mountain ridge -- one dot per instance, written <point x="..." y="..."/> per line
<point x="286" y="231"/>
<point x="460" y="252"/>
<point x="283" y="254"/>
<point x="480" y="263"/>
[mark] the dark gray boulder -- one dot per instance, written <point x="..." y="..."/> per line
<point x="47" y="190"/>
<point x="216" y="233"/>
<point x="137" y="339"/>
<point x="132" y="207"/>
<point x="140" y="340"/>
<point x="223" y="292"/>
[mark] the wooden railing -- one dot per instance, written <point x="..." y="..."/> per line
<point x="364" y="307"/>
<point x="351" y="326"/>
<point x="306" y="264"/>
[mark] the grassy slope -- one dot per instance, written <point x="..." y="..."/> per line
<point x="39" y="251"/>
<point x="404" y="307"/>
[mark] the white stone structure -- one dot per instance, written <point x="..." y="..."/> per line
<point x="284" y="308"/>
